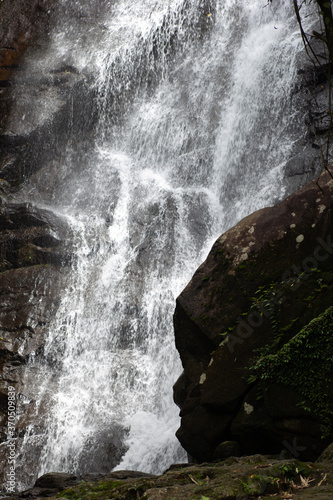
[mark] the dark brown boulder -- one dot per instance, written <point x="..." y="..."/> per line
<point x="264" y="280"/>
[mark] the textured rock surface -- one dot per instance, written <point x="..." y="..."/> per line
<point x="41" y="102"/>
<point x="234" y="479"/>
<point x="33" y="241"/>
<point x="20" y="23"/>
<point x="310" y="94"/>
<point x="263" y="281"/>
<point x="33" y="254"/>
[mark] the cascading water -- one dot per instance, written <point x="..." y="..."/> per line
<point x="195" y="126"/>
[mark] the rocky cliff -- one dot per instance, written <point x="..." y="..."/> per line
<point x="33" y="241"/>
<point x="257" y="366"/>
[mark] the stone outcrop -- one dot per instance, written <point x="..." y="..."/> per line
<point x="33" y="257"/>
<point x="41" y="105"/>
<point x="34" y="243"/>
<point x="256" y="476"/>
<point x="20" y="23"/>
<point x="310" y="99"/>
<point x="252" y="358"/>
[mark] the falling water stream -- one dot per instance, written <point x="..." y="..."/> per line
<point x="195" y="125"/>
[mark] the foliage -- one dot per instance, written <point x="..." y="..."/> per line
<point x="305" y="363"/>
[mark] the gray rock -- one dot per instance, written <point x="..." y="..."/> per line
<point x="327" y="455"/>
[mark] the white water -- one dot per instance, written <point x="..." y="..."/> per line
<point x="196" y="150"/>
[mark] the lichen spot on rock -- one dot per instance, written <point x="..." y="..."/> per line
<point x="318" y="200"/>
<point x="244" y="256"/>
<point x="313" y="225"/>
<point x="202" y="378"/>
<point x="248" y="408"/>
<point x="251" y="230"/>
<point x="300" y="238"/>
<point x="292" y="226"/>
<point x="222" y="239"/>
<point x="293" y="214"/>
<point x="211" y="362"/>
<point x="321" y="208"/>
<point x="226" y="340"/>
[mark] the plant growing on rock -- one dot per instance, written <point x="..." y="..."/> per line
<point x="306" y="364"/>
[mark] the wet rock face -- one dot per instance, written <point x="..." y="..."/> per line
<point x="264" y="280"/>
<point x="33" y="242"/>
<point x="310" y="98"/>
<point x="29" y="237"/>
<point x="33" y="258"/>
<point x="20" y="23"/>
<point x="41" y="107"/>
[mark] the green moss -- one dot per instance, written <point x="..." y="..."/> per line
<point x="93" y="491"/>
<point x="305" y="363"/>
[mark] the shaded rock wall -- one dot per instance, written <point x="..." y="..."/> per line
<point x="20" y="24"/>
<point x="263" y="281"/>
<point x="40" y="107"/>
<point x="34" y="243"/>
<point x="33" y="254"/>
<point x="310" y="93"/>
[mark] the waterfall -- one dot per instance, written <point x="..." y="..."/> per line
<point x="195" y="125"/>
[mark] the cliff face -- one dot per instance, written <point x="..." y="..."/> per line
<point x="32" y="254"/>
<point x="252" y="378"/>
<point x="21" y="23"/>
<point x="33" y="251"/>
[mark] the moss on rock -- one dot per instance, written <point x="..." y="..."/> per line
<point x="269" y="277"/>
<point x="233" y="479"/>
<point x="305" y="363"/>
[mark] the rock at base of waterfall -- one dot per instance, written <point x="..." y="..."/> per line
<point x="256" y="476"/>
<point x="256" y="295"/>
<point x="33" y="258"/>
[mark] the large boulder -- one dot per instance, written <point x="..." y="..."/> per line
<point x="257" y="369"/>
